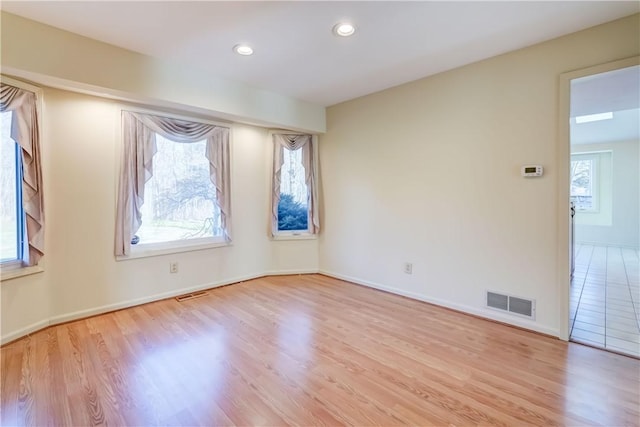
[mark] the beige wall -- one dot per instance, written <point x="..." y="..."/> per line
<point x="81" y="142"/>
<point x="429" y="173"/>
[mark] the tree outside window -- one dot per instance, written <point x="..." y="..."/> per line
<point x="179" y="200"/>
<point x="10" y="189"/>
<point x="293" y="209"/>
<point x="582" y="183"/>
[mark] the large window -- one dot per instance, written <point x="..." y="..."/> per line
<point x="583" y="182"/>
<point x="294" y="198"/>
<point x="174" y="185"/>
<point x="180" y="199"/>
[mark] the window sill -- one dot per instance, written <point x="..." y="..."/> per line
<point x="157" y="249"/>
<point x="17" y="272"/>
<point x="295" y="236"/>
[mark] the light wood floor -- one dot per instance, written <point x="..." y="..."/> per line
<point x="308" y="350"/>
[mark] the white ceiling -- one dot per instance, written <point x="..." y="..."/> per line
<point x="296" y="53"/>
<point x="614" y="91"/>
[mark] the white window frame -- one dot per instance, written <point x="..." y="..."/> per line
<point x="594" y="157"/>
<point x="295" y="234"/>
<point x="144" y="250"/>
<point x="14" y="269"/>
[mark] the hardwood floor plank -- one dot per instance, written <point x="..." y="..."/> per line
<point x="10" y="372"/>
<point x="308" y="350"/>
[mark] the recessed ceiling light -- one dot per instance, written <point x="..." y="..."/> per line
<point x="343" y="29"/>
<point x="243" y="49"/>
<point x="594" y="117"/>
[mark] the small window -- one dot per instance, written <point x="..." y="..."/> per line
<point x="11" y="212"/>
<point x="294" y="202"/>
<point x="293" y="210"/>
<point x="179" y="199"/>
<point x="583" y="182"/>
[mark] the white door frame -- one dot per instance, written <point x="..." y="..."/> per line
<point x="563" y="270"/>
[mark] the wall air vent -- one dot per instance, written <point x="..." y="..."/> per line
<point x="191" y="296"/>
<point x="514" y="305"/>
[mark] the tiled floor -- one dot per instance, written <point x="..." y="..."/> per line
<point x="605" y="298"/>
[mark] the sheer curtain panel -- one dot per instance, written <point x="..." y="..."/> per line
<point x="139" y="147"/>
<point x="25" y="131"/>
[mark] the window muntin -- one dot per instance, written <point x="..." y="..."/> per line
<point x="293" y="209"/>
<point x="583" y="182"/>
<point x="179" y="199"/>
<point x="11" y="211"/>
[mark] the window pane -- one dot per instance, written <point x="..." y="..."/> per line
<point x="8" y="192"/>
<point x="582" y="184"/>
<point x="179" y="198"/>
<point x="292" y="209"/>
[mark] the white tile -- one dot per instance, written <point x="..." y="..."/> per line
<point x="593" y="301"/>
<point x="606" y="279"/>
<point x="626" y="336"/>
<point x="589" y="327"/>
<point x="615" y="301"/>
<point x="586" y="335"/>
<point x="620" y="323"/>
<point x="594" y="293"/>
<point x="618" y="302"/>
<point x="587" y="342"/>
<point x="591" y="309"/>
<point x="623" y="345"/>
<point x="619" y="286"/>
<point x="590" y="319"/>
<point x="621" y="292"/>
<point x="628" y="314"/>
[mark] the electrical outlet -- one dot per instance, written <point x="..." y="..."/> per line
<point x="173" y="267"/>
<point x="408" y="268"/>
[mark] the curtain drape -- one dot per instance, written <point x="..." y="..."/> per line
<point x="139" y="147"/>
<point x="25" y="131"/>
<point x="293" y="142"/>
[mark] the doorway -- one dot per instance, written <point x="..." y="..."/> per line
<point x="604" y="194"/>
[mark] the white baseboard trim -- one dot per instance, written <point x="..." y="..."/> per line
<point x="55" y="320"/>
<point x="23" y="332"/>
<point x="81" y="314"/>
<point x="487" y="314"/>
<point x="291" y="272"/>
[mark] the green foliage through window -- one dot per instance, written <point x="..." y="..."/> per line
<point x="292" y="216"/>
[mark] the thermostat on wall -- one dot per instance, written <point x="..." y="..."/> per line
<point x="532" y="170"/>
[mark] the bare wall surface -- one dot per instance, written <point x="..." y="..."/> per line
<point x="429" y="173"/>
<point x="622" y="192"/>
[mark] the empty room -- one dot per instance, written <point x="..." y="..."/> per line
<point x="319" y="213"/>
